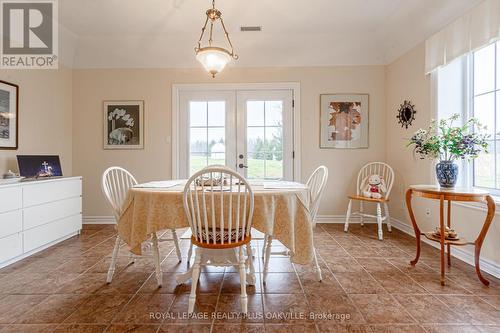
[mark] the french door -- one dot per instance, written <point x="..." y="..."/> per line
<point x="248" y="131"/>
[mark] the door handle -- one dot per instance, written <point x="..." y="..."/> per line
<point x="241" y="166"/>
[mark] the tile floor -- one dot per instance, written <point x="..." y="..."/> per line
<point x="368" y="286"/>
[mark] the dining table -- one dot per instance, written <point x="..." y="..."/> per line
<point x="280" y="210"/>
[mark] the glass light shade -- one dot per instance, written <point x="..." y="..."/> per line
<point x="213" y="59"/>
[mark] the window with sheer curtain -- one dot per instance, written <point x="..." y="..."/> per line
<point x="470" y="86"/>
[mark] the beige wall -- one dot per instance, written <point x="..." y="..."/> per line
<point x="406" y="80"/>
<point x="45" y="113"/>
<point x="47" y="126"/>
<point x="91" y="87"/>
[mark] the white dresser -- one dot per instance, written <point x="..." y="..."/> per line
<point x="37" y="214"/>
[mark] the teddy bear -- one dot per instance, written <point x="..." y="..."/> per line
<point x="373" y="187"/>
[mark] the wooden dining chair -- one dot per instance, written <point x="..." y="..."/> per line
<point x="387" y="174"/>
<point x="115" y="184"/>
<point x="220" y="217"/>
<point x="316" y="185"/>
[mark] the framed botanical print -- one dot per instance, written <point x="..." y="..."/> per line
<point x="123" y="124"/>
<point x="344" y="121"/>
<point x="9" y="115"/>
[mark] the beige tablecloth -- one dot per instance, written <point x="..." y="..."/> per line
<point x="281" y="213"/>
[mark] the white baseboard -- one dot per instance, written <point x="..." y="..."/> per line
<point x="98" y="220"/>
<point x="460" y="253"/>
<point x="341" y="219"/>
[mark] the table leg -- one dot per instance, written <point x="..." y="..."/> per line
<point x="441" y="241"/>
<point x="482" y="235"/>
<point x="415" y="227"/>
<point x="448" y="246"/>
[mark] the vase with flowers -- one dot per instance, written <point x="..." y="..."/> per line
<point x="448" y="143"/>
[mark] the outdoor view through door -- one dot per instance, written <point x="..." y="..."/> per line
<point x="264" y="142"/>
<point x="207" y="134"/>
<point x="249" y="131"/>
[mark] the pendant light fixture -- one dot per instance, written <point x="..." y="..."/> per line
<point x="214" y="58"/>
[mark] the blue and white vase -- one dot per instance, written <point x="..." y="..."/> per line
<point x="447" y="173"/>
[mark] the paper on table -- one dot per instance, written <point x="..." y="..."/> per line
<point x="159" y="184"/>
<point x="283" y="184"/>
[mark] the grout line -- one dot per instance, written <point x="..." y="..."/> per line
<point x="388" y="293"/>
<point x="335" y="277"/>
<point x="116" y="273"/>
<point x="302" y="287"/>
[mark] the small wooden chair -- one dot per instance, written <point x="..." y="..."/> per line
<point x="115" y="184"/>
<point x="387" y="174"/>
<point x="219" y="208"/>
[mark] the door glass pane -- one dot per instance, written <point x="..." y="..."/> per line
<point x="255" y="139"/>
<point x="274" y="113"/>
<point x="216" y="114"/>
<point x="207" y="134"/>
<point x="484" y="76"/>
<point x="256" y="168"/>
<point x="198" y="140"/>
<point x="198" y="114"/>
<point x="217" y="146"/>
<point x="265" y="139"/>
<point x="255" y="113"/>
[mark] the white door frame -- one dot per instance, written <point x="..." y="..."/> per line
<point x="177" y="88"/>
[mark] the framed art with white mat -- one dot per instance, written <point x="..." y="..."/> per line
<point x="344" y="121"/>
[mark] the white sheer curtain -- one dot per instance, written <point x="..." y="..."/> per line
<point x="473" y="30"/>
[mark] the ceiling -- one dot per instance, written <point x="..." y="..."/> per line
<point x="163" y="33"/>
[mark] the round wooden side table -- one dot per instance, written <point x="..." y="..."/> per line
<point x="449" y="195"/>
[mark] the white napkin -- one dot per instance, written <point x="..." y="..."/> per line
<point x="284" y="185"/>
<point x="159" y="184"/>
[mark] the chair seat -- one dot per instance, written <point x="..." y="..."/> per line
<point x="363" y="198"/>
<point x="207" y="238"/>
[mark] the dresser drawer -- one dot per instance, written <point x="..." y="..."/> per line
<point x="44" y="234"/>
<point x="11" y="223"/>
<point x="42" y="214"/>
<point x="11" y="198"/>
<point x="36" y="194"/>
<point x="11" y="247"/>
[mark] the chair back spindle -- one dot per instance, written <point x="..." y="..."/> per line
<point x="316" y="184"/>
<point x="115" y="184"/>
<point x="376" y="168"/>
<point x="218" y="203"/>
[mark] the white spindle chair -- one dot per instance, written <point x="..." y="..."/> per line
<point x="220" y="217"/>
<point x="116" y="182"/>
<point x="387" y="174"/>
<point x="190" y="252"/>
<point x="316" y="185"/>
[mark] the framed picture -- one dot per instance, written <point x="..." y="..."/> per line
<point x="344" y="121"/>
<point x="123" y="124"/>
<point x="9" y="115"/>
